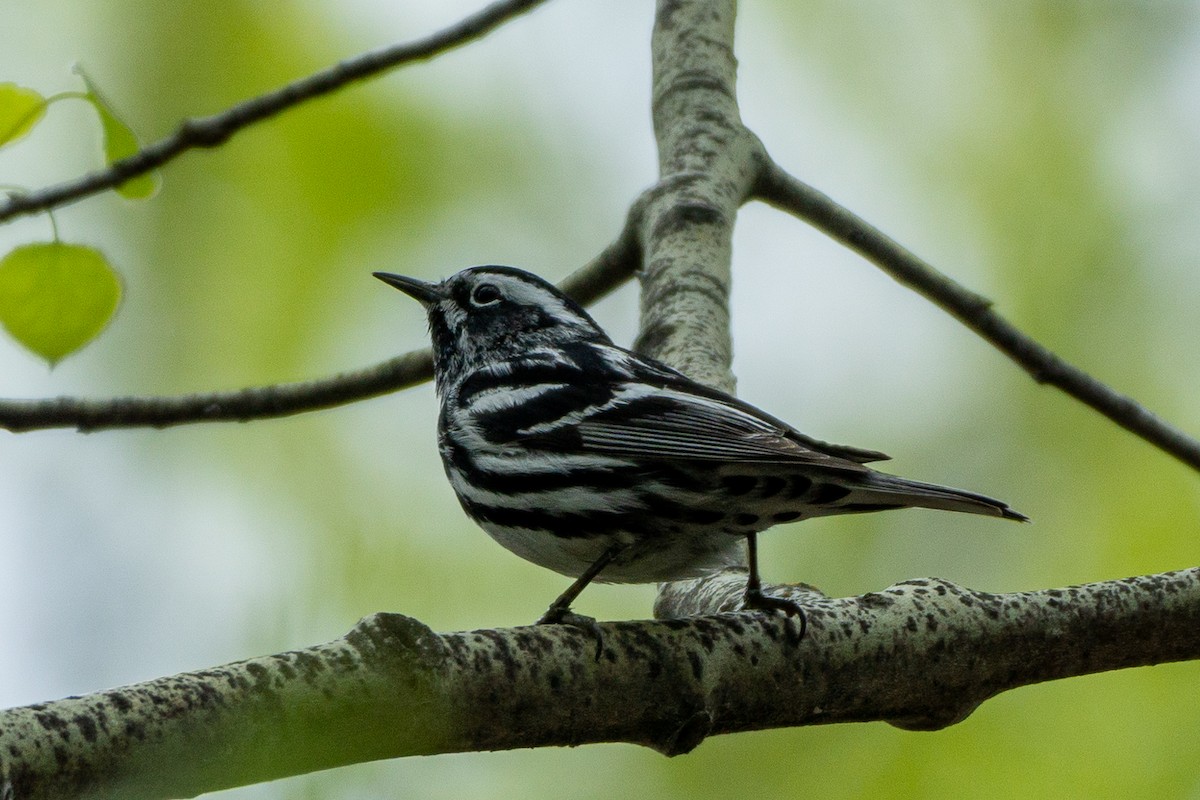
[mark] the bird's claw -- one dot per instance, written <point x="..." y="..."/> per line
<point x="565" y="616"/>
<point x="757" y="601"/>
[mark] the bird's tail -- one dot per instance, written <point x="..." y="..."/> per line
<point x="890" y="490"/>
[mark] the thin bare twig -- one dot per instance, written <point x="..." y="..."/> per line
<point x="612" y="267"/>
<point x="216" y="129"/>
<point x="240" y="405"/>
<point x="777" y="188"/>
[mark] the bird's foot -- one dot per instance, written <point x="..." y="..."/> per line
<point x="755" y="599"/>
<point x="563" y="615"/>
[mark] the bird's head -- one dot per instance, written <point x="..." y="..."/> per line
<point x="486" y="314"/>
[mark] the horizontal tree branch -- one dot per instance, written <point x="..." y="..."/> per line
<point x="612" y="267"/>
<point x="920" y="655"/>
<point x="215" y="130"/>
<point x="779" y="189"/>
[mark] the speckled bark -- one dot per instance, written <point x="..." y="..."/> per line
<point x="921" y="654"/>
<point x="708" y="165"/>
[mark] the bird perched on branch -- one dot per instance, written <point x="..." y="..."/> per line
<point x="601" y="464"/>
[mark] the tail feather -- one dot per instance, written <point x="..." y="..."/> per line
<point x="883" y="488"/>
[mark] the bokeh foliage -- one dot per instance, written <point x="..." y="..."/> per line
<point x="1014" y="144"/>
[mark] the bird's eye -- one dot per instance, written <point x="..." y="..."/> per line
<point x="485" y="294"/>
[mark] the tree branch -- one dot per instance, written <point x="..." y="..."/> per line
<point x="217" y="129"/>
<point x="920" y="655"/>
<point x="708" y="167"/>
<point x="789" y="194"/>
<point x="612" y="267"/>
<point x="708" y="161"/>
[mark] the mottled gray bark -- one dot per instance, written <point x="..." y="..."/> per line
<point x="708" y="165"/>
<point x="921" y="655"/>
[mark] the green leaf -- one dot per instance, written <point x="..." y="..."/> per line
<point x="20" y="110"/>
<point x="119" y="143"/>
<point x="55" y="297"/>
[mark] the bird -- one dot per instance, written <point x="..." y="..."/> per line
<point x="603" y="464"/>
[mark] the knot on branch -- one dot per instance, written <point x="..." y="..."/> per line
<point x="720" y="592"/>
<point x="935" y="719"/>
<point x="688" y="736"/>
<point x="685" y="214"/>
<point x="395" y="638"/>
<point x="205" y="131"/>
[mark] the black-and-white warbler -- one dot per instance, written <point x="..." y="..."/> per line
<point x="601" y="464"/>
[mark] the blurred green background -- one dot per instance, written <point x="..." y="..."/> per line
<point x="1044" y="153"/>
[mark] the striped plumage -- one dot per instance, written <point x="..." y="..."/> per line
<point x="598" y="463"/>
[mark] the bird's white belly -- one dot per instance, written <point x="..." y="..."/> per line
<point x="665" y="558"/>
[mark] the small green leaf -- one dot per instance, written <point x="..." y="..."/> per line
<point x="55" y="297"/>
<point x="20" y="110"/>
<point x="119" y="143"/>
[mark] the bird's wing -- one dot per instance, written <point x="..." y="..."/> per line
<point x="607" y="400"/>
<point x="701" y="411"/>
<point x="649" y="422"/>
<point x="672" y="424"/>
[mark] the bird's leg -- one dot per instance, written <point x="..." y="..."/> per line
<point x="754" y="597"/>
<point x="562" y="605"/>
<point x="560" y="612"/>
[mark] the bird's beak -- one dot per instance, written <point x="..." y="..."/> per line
<point x="424" y="293"/>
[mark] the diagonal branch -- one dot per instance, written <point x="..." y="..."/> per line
<point x="216" y="129"/>
<point x="920" y="655"/>
<point x="785" y="192"/>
